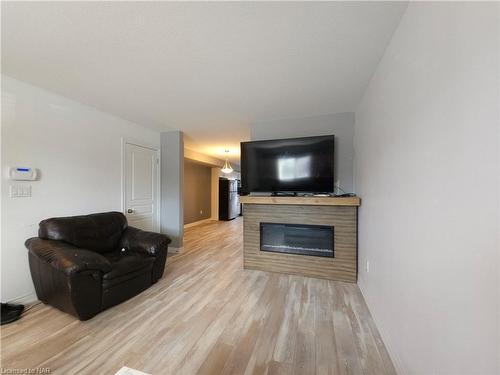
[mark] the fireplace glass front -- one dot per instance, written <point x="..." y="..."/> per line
<point x="304" y="239"/>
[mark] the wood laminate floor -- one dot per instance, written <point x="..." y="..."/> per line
<point x="209" y="316"/>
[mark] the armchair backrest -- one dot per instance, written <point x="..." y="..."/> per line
<point x="98" y="232"/>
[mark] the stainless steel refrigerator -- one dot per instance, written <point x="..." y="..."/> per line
<point x="229" y="205"/>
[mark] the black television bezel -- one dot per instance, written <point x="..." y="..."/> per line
<point x="244" y="189"/>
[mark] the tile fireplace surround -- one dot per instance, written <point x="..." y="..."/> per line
<point x="340" y="214"/>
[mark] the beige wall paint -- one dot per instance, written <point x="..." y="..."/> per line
<point x="215" y="165"/>
<point x="197" y="191"/>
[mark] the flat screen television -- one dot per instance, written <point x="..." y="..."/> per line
<point x="288" y="165"/>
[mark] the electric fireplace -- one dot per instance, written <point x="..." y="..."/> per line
<point x="303" y="239"/>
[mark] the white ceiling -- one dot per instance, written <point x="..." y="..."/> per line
<point x="208" y="69"/>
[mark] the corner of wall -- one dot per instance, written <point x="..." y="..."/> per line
<point x="172" y="190"/>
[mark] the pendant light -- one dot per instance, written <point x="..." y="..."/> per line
<point x="226" y="168"/>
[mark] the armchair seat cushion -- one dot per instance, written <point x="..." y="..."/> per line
<point x="127" y="262"/>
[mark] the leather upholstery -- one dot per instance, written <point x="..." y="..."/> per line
<point x="85" y="264"/>
<point x="78" y="294"/>
<point x="125" y="262"/>
<point x="68" y="258"/>
<point x="141" y="241"/>
<point x="150" y="243"/>
<point x="97" y="232"/>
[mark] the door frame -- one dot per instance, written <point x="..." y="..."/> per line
<point x="124" y="142"/>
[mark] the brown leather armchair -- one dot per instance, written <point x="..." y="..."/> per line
<point x="85" y="264"/>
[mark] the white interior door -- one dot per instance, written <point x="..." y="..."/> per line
<point x="141" y="187"/>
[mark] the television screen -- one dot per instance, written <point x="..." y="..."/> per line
<point x="288" y="165"/>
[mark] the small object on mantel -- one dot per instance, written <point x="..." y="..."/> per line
<point x="345" y="195"/>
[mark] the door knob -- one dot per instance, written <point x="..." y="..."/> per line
<point x="130" y="210"/>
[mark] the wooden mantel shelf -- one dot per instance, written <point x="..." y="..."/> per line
<point x="312" y="201"/>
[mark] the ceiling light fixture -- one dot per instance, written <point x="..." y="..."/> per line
<point x="226" y="168"/>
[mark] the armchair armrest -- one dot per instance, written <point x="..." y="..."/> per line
<point x="67" y="258"/>
<point x="149" y="243"/>
<point x="141" y="241"/>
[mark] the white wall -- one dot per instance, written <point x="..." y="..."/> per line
<point x="78" y="151"/>
<point x="340" y="124"/>
<point x="172" y="186"/>
<point x="427" y="163"/>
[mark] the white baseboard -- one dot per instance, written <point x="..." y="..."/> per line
<point x="195" y="223"/>
<point x="25" y="300"/>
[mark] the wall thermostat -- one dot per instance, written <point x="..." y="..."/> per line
<point x="22" y="173"/>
